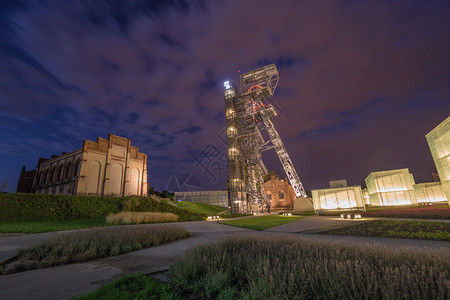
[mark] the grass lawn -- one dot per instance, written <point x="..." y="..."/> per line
<point x="199" y="208"/>
<point x="398" y="229"/>
<point x="135" y="286"/>
<point x="45" y="226"/>
<point x="263" y="222"/>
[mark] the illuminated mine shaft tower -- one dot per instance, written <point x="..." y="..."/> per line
<point x="246" y="117"/>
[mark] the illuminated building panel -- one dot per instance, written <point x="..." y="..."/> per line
<point x="393" y="187"/>
<point x="429" y="192"/>
<point x="439" y="142"/>
<point x="366" y="197"/>
<point x="338" y="199"/>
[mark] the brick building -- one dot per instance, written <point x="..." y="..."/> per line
<point x="104" y="167"/>
<point x="280" y="193"/>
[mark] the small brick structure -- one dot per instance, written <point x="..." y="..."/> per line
<point x="280" y="193"/>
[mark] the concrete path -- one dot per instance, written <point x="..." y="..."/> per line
<point x="10" y="245"/>
<point x="78" y="279"/>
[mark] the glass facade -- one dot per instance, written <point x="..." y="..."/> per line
<point x="338" y="199"/>
<point x="219" y="198"/>
<point x="366" y="197"/>
<point x="429" y="192"/>
<point x="393" y="187"/>
<point x="439" y="141"/>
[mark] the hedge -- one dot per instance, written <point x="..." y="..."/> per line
<point x="40" y="207"/>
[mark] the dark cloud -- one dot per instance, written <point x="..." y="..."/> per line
<point x="361" y="83"/>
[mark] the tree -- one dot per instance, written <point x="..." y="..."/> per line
<point x="3" y="187"/>
<point x="167" y="194"/>
<point x="269" y="175"/>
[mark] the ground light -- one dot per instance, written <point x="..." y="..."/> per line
<point x="213" y="218"/>
<point x="351" y="216"/>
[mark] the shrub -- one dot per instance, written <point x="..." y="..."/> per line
<point x="41" y="207"/>
<point x="38" y="207"/>
<point x="140" y="218"/>
<point x="288" y="267"/>
<point x="80" y="246"/>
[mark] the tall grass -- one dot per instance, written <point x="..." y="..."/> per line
<point x="398" y="229"/>
<point x="80" y="246"/>
<point x="287" y="267"/>
<point x="140" y="218"/>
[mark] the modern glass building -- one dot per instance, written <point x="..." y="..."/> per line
<point x="219" y="198"/>
<point x="393" y="187"/>
<point x="338" y="199"/>
<point x="439" y="141"/>
<point x="366" y="197"/>
<point x="429" y="192"/>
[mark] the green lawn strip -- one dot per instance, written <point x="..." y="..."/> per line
<point x="398" y="229"/>
<point x="83" y="245"/>
<point x="51" y="225"/>
<point x="200" y="208"/>
<point x="262" y="223"/>
<point x="136" y="286"/>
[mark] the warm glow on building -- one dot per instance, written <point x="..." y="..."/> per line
<point x="439" y="141"/>
<point x="338" y="199"/>
<point x="231" y="131"/>
<point x="393" y="187"/>
<point x="366" y="198"/>
<point x="429" y="192"/>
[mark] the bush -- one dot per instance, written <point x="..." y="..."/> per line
<point x="80" y="246"/>
<point x="140" y="218"/>
<point x="287" y="267"/>
<point x="41" y="207"/>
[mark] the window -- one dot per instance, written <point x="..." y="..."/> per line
<point x="280" y="195"/>
<point x="68" y="170"/>
<point x="269" y="196"/>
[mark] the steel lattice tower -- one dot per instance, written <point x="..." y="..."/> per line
<point x="246" y="117"/>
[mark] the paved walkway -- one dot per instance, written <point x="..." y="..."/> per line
<point x="78" y="279"/>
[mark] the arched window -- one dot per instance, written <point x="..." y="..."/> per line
<point x="48" y="177"/>
<point x="55" y="174"/>
<point x="280" y="195"/>
<point x="61" y="172"/>
<point x="269" y="196"/>
<point x="68" y="170"/>
<point x="42" y="179"/>
<point x="76" y="169"/>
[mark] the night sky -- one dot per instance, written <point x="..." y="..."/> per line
<point x="361" y="82"/>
